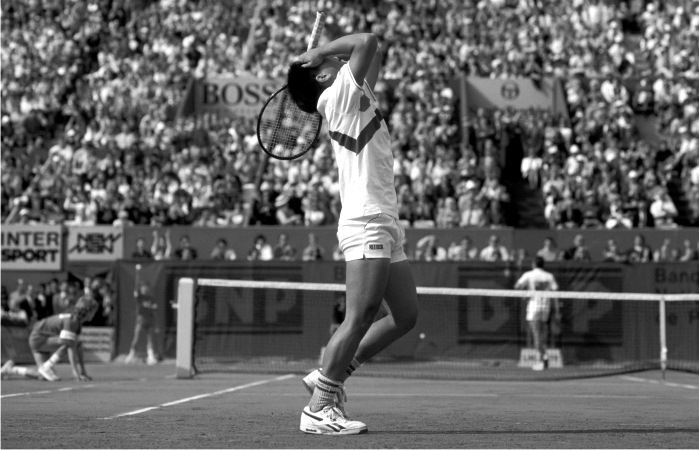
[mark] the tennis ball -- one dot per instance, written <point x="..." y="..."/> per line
<point x="422" y="335"/>
<point x="138" y="267"/>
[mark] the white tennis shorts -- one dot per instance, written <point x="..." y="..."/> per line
<point x="538" y="309"/>
<point x="374" y="236"/>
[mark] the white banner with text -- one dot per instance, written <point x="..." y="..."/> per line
<point x="95" y="243"/>
<point x="32" y="247"/>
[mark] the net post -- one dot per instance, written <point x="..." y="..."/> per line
<point x="185" y="327"/>
<point x="663" y="337"/>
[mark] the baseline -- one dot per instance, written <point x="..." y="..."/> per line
<point x="65" y="389"/>
<point x="198" y="397"/>
<point x="658" y="382"/>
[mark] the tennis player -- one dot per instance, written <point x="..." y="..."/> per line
<point x="369" y="233"/>
<point x="538" y="307"/>
<point x="51" y="337"/>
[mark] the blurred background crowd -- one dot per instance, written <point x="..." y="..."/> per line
<point x="90" y="134"/>
<point x="24" y="304"/>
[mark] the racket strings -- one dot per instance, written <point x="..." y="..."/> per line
<point x="286" y="130"/>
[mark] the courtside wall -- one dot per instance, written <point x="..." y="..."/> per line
<point x="262" y="321"/>
<point x="476" y="329"/>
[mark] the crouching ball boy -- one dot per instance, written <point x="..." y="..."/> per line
<point x="369" y="233"/>
<point x="51" y="338"/>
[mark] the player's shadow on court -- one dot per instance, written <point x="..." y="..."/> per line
<point x="601" y="431"/>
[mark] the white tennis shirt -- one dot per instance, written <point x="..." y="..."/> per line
<point x="537" y="280"/>
<point x="362" y="147"/>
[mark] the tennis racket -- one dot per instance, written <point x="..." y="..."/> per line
<point x="284" y="131"/>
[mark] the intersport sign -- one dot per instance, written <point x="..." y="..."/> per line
<point x="32" y="247"/>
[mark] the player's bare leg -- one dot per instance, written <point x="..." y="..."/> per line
<point x="366" y="284"/>
<point x="538" y="329"/>
<point x="401" y="296"/>
<point x="137" y="337"/>
<point x="9" y="369"/>
<point x="150" y="346"/>
<point x="44" y="364"/>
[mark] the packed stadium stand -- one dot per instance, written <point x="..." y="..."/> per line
<point x="91" y="134"/>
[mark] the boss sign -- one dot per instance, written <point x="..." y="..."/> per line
<point x="240" y="96"/>
<point x="35" y="247"/>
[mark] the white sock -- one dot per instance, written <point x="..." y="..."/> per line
<point x="53" y="360"/>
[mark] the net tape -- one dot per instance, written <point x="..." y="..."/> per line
<point x="331" y="287"/>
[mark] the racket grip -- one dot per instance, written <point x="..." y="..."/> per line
<point x="317" y="29"/>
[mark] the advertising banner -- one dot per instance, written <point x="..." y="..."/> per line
<point x="98" y="343"/>
<point x="518" y="93"/>
<point x="15" y="344"/>
<point x="35" y="247"/>
<point x="492" y="319"/>
<point x="239" y="96"/>
<point x="95" y="243"/>
<point x="682" y="317"/>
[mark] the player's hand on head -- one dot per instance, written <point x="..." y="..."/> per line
<point x="311" y="58"/>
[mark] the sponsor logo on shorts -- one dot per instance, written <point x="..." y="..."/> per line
<point x="375" y="246"/>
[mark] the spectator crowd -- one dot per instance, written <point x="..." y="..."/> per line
<point x="427" y="248"/>
<point x="26" y="303"/>
<point x="90" y="92"/>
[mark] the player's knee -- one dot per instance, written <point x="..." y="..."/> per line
<point x="406" y="322"/>
<point x="362" y="320"/>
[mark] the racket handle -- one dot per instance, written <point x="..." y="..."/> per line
<point x="317" y="29"/>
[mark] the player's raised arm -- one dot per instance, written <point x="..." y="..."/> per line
<point x="372" y="75"/>
<point x="361" y="49"/>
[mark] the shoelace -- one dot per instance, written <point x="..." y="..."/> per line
<point x="334" y="412"/>
<point x="340" y="406"/>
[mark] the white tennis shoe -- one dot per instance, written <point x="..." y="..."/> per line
<point x="309" y="382"/>
<point x="330" y="421"/>
<point x="7" y="369"/>
<point x="48" y="373"/>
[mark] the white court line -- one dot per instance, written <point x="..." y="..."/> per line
<point x="197" y="397"/>
<point x="20" y="394"/>
<point x="540" y="396"/>
<point x="665" y="383"/>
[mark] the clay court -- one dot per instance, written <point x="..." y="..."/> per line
<point x="146" y="407"/>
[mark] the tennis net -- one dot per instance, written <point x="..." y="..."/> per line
<point x="473" y="334"/>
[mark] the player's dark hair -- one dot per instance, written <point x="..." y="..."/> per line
<point x="539" y="262"/>
<point x="303" y="87"/>
<point x="85" y="306"/>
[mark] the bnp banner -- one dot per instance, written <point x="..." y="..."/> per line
<point x="241" y="96"/>
<point x="95" y="243"/>
<point x="35" y="247"/>
<point x="98" y="343"/>
<point x="518" y="93"/>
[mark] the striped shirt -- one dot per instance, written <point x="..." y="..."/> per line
<point x="362" y="147"/>
<point x="66" y="326"/>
